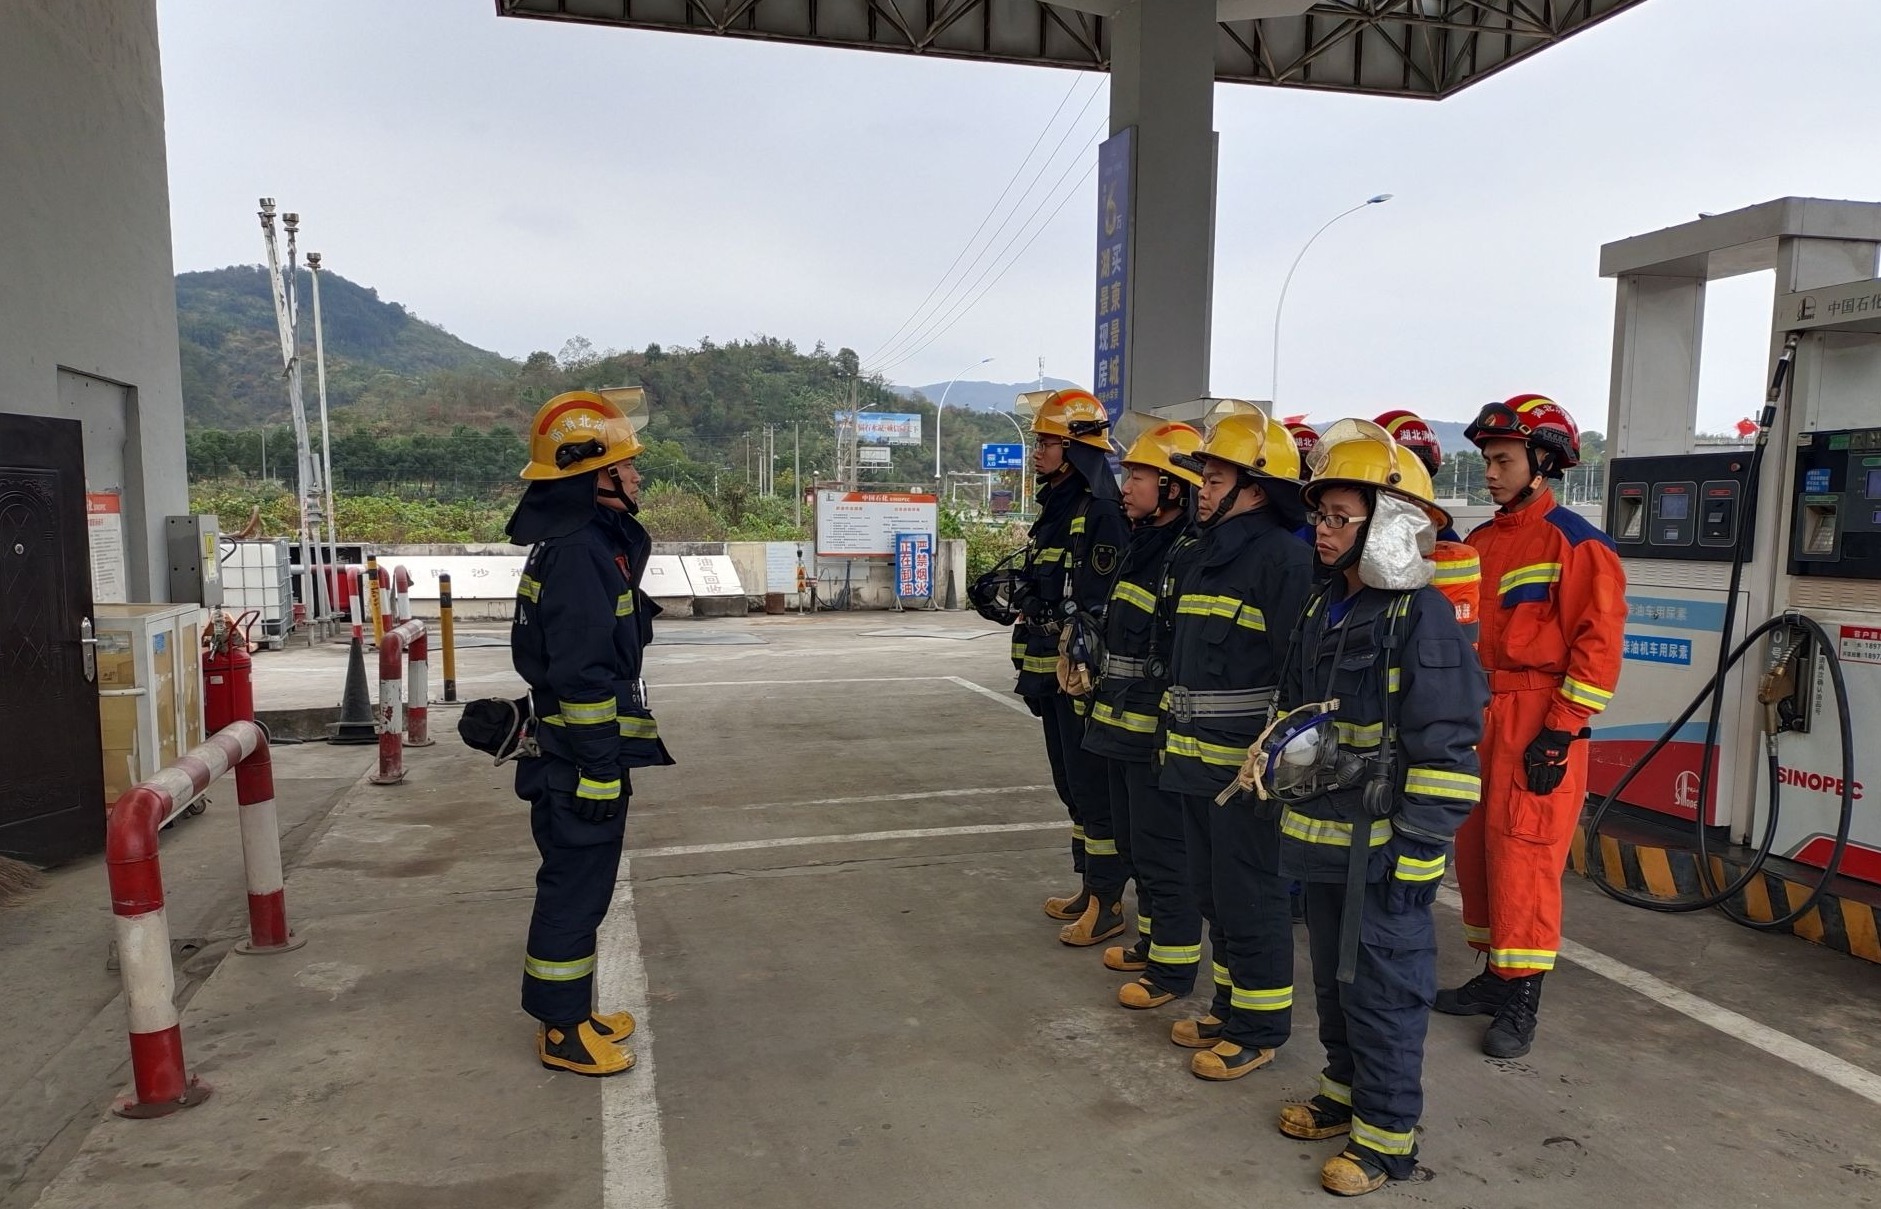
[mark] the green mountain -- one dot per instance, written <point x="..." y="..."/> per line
<point x="231" y="353"/>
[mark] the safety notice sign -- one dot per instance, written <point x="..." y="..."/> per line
<point x="104" y="525"/>
<point x="1861" y="644"/>
<point x="863" y="524"/>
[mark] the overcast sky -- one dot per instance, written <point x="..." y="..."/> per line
<point x="521" y="182"/>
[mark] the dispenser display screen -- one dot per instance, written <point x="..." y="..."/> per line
<point x="1675" y="507"/>
<point x="1836" y="532"/>
<point x="1874" y="485"/>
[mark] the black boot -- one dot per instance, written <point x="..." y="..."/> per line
<point x="1513" y="1030"/>
<point x="1480" y="996"/>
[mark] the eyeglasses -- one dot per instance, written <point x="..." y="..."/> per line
<point x="1331" y="520"/>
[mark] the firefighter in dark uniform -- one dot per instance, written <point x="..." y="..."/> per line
<point x="1158" y="497"/>
<point x="580" y="631"/>
<point x="1236" y="598"/>
<point x="1372" y="765"/>
<point x="1075" y="546"/>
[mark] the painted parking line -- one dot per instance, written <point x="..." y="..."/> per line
<point x="852" y="837"/>
<point x="1005" y="699"/>
<point x="633" y="1142"/>
<point x="1796" y="1052"/>
<point x="828" y="680"/>
<point x="863" y="799"/>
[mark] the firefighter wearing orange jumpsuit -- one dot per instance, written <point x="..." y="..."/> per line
<point x="1458" y="572"/>
<point x="1554" y="605"/>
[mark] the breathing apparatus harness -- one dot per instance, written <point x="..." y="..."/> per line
<point x="1783" y="665"/>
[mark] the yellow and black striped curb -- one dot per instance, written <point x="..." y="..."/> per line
<point x="1845" y="924"/>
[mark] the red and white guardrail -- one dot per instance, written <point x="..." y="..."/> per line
<point x="163" y="1082"/>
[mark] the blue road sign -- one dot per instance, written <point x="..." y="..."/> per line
<point x="1002" y="457"/>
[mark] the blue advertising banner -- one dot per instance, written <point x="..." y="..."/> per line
<point x="1652" y="648"/>
<point x="1115" y="158"/>
<point x="1010" y="456"/>
<point x="914" y="564"/>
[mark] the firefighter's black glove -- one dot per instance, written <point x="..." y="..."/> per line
<point x="594" y="803"/>
<point x="1416" y="870"/>
<point x="1036" y="705"/>
<point x="1546" y="760"/>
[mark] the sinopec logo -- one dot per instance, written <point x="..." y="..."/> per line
<point x="1814" y="781"/>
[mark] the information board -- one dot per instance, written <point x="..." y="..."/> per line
<point x="665" y="578"/>
<point x="104" y="525"/>
<point x="863" y="524"/>
<point x="874" y="455"/>
<point x="780" y="566"/>
<point x="888" y="428"/>
<point x="473" y="576"/>
<point x="711" y="575"/>
<point x="1009" y="456"/>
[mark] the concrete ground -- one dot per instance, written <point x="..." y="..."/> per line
<point x="848" y="996"/>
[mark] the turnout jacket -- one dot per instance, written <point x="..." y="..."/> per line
<point x="1439" y="695"/>
<point x="1124" y="711"/>
<point x="1075" y="545"/>
<point x="1553" y="609"/>
<point x="578" y="639"/>
<point x="1237" y="594"/>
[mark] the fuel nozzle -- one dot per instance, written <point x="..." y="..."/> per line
<point x="1778" y="688"/>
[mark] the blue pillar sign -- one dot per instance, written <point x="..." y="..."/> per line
<point x="1007" y="456"/>
<point x="1111" y="364"/>
<point x="914" y="564"/>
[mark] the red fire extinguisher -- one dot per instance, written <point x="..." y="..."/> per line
<point x="228" y="692"/>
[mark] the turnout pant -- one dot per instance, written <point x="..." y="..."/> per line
<point x="574" y="884"/>
<point x="1373" y="1028"/>
<point x="1512" y="850"/>
<point x="1117" y="772"/>
<point x="1234" y="869"/>
<point x="1158" y="862"/>
<point x="1083" y="784"/>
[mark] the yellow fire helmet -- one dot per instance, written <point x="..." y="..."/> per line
<point x="1248" y="437"/>
<point x="1359" y="453"/>
<point x="1159" y="443"/>
<point x="1071" y="413"/>
<point x="583" y="430"/>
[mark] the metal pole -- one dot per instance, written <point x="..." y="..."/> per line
<point x="937" y="418"/>
<point x="286" y="327"/>
<point x="1273" y="389"/>
<point x="796" y="473"/>
<point x="448" y="636"/>
<point x="326" y="434"/>
<point x="313" y="586"/>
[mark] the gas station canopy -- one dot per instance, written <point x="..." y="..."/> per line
<point x="1409" y="48"/>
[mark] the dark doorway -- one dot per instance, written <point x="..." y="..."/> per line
<point x="52" y="772"/>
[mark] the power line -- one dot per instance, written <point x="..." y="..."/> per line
<point x="889" y="347"/>
<point x="1040" y="230"/>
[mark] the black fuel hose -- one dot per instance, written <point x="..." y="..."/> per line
<point x="1728" y="658"/>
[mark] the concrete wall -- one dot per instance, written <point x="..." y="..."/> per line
<point x="88" y="305"/>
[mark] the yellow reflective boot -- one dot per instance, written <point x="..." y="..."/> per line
<point x="1100" y="921"/>
<point x="1228" y="1061"/>
<point x="581" y="1050"/>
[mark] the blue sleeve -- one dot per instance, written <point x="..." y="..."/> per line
<point x="580" y="591"/>
<point x="1440" y="720"/>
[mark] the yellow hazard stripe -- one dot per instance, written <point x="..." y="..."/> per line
<point x="599" y="791"/>
<point x="1310" y="830"/>
<point x="1581" y="693"/>
<point x="1143" y="924"/>
<point x="632" y="727"/>
<point x="1337" y="1092"/>
<point x="1044" y="665"/>
<point x="1244" y="614"/>
<point x="529" y="588"/>
<point x="1077" y="524"/>
<point x="558" y="971"/>
<point x="1442" y="783"/>
<point x="1413" y="869"/>
<point x="1134" y="594"/>
<point x="1475" y="935"/>
<point x="587" y="713"/>
<point x="1140" y="724"/>
<point x="1384" y="1141"/>
<point x="1353" y="734"/>
<point x="1457" y="570"/>
<point x="1522" y="959"/>
<point x="1533" y="573"/>
<point x="1099" y="847"/>
<point x="624" y="604"/>
<point x="1176" y="955"/>
<point x="1222" y="977"/>
<point x="1208" y="753"/>
<point x="1273" y="999"/>
<point x="1050" y="554"/>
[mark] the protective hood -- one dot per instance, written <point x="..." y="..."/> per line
<point x="1399" y="539"/>
<point x="552" y="508"/>
<point x="1089" y="461"/>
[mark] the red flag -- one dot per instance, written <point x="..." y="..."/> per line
<point x="1299" y="419"/>
<point x="1747" y="428"/>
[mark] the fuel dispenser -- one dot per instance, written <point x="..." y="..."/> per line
<point x="1754" y="570"/>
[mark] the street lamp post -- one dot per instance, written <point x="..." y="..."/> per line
<point x="1273" y="390"/>
<point x="1024" y="470"/>
<point x="937" y="417"/>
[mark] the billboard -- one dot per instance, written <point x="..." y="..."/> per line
<point x="863" y="524"/>
<point x="874" y="455"/>
<point x="1112" y="332"/>
<point x="886" y="428"/>
<point x="1009" y="456"/>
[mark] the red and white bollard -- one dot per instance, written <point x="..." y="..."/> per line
<point x="163" y="1083"/>
<point x="390" y="720"/>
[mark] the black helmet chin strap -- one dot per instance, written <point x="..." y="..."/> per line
<point x="1243" y="479"/>
<point x="1357" y="549"/>
<point x="617" y="490"/>
<point x="1535" y="472"/>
